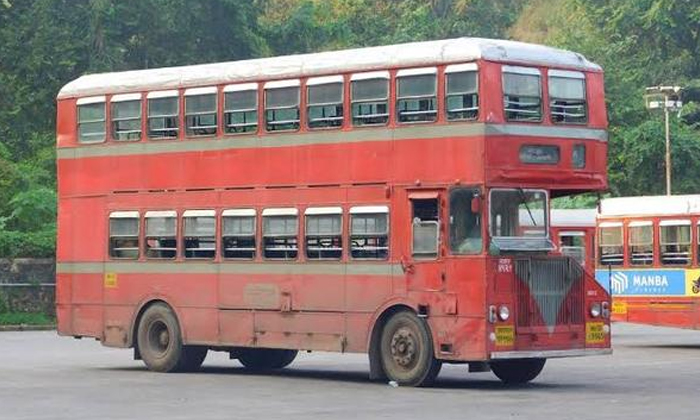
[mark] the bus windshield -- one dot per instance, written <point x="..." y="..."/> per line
<point x="519" y="220"/>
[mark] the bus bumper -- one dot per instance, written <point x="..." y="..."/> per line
<point x="548" y="354"/>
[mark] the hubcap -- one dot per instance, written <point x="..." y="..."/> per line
<point x="404" y="349"/>
<point x="159" y="337"/>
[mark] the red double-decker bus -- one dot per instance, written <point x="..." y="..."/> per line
<point x="364" y="200"/>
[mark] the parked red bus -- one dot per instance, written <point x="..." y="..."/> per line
<point x="574" y="233"/>
<point x="648" y="256"/>
<point x="363" y="200"/>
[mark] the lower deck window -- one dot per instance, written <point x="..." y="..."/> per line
<point x="161" y="235"/>
<point x="324" y="234"/>
<point x="280" y="230"/>
<point x="573" y="244"/>
<point x="238" y="234"/>
<point x="369" y="233"/>
<point x="465" y="224"/>
<point x="675" y="243"/>
<point x="199" y="234"/>
<point x="611" y="250"/>
<point x="124" y="235"/>
<point x="425" y="228"/>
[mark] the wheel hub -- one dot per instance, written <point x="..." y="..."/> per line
<point x="403" y="347"/>
<point x="159" y="337"/>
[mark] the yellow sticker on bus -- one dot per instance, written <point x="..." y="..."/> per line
<point x="505" y="336"/>
<point x="595" y="332"/>
<point x="619" y="308"/>
<point x="110" y="280"/>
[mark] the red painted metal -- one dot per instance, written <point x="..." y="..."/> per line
<point x="312" y="305"/>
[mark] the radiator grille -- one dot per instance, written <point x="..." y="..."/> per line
<point x="549" y="292"/>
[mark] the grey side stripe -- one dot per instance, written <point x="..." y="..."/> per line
<point x="379" y="269"/>
<point x="326" y="137"/>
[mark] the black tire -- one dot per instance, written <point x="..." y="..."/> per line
<point x="517" y="371"/>
<point x="160" y="342"/>
<point x="266" y="359"/>
<point x="406" y="350"/>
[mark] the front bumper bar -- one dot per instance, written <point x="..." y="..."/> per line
<point x="548" y="354"/>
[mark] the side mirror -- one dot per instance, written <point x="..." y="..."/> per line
<point x="476" y="204"/>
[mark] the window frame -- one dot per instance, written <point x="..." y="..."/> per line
<point x="325" y="81"/>
<point x="88" y="101"/>
<point x="675" y="223"/>
<point x="157" y="95"/>
<point x="191" y="130"/>
<point x="193" y="214"/>
<point x="609" y="225"/>
<point x="571" y="75"/>
<point x="124" y="214"/>
<point x="362" y="77"/>
<point x="416" y="72"/>
<point x="121" y="99"/>
<point x="235" y="88"/>
<point x="573" y="234"/>
<point x="311" y="212"/>
<point x="476" y="193"/>
<point x="280" y="212"/>
<point x="522" y="71"/>
<point x="282" y="84"/>
<point x="369" y="210"/>
<point x="457" y="69"/>
<point x="165" y="214"/>
<point x="240" y="213"/>
<point x="644" y="260"/>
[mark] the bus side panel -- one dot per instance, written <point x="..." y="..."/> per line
<point x="298" y="330"/>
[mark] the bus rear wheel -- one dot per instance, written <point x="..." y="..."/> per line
<point x="266" y="359"/>
<point x="160" y="342"/>
<point x="517" y="371"/>
<point x="406" y="350"/>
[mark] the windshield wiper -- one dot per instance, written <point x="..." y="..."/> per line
<point x="524" y="201"/>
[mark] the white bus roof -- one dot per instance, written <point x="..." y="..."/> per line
<point x="415" y="54"/>
<point x="573" y="217"/>
<point x="660" y="205"/>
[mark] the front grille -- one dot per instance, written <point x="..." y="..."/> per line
<point x="549" y="292"/>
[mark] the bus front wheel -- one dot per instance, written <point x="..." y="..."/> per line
<point x="406" y="350"/>
<point x="159" y="341"/>
<point x="266" y="359"/>
<point x="517" y="371"/>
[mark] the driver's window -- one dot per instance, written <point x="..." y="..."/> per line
<point x="465" y="224"/>
<point x="425" y="227"/>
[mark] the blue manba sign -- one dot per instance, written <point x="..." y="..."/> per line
<point x="643" y="282"/>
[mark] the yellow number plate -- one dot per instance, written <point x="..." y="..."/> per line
<point x="110" y="280"/>
<point x="505" y="336"/>
<point x="595" y="333"/>
<point x="619" y="308"/>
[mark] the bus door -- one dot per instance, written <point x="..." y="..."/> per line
<point x="422" y="267"/>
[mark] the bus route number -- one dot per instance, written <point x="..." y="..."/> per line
<point x="505" y="266"/>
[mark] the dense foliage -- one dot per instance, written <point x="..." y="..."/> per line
<point x="46" y="43"/>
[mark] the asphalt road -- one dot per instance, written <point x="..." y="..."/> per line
<point x="654" y="374"/>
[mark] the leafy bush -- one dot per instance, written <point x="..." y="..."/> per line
<point x="40" y="244"/>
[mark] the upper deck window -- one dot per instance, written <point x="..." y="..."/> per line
<point x="126" y="116"/>
<point x="199" y="233"/>
<point x="163" y="110"/>
<point x="280" y="229"/>
<point x="369" y="96"/>
<point x="461" y="92"/>
<point x="324" y="233"/>
<point x="325" y="102"/>
<point x="124" y="235"/>
<point x="522" y="94"/>
<point x="282" y="105"/>
<point x="611" y="249"/>
<point x="238" y="233"/>
<point x="161" y="234"/>
<point x="369" y="232"/>
<point x="91" y="119"/>
<point x="675" y="242"/>
<point x="200" y="111"/>
<point x="241" y="108"/>
<point x="416" y="95"/>
<point x="641" y="243"/>
<point x="567" y="97"/>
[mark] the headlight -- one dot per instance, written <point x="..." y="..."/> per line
<point x="503" y="313"/>
<point x="595" y="310"/>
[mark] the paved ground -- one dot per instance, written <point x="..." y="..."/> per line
<point x="654" y="373"/>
